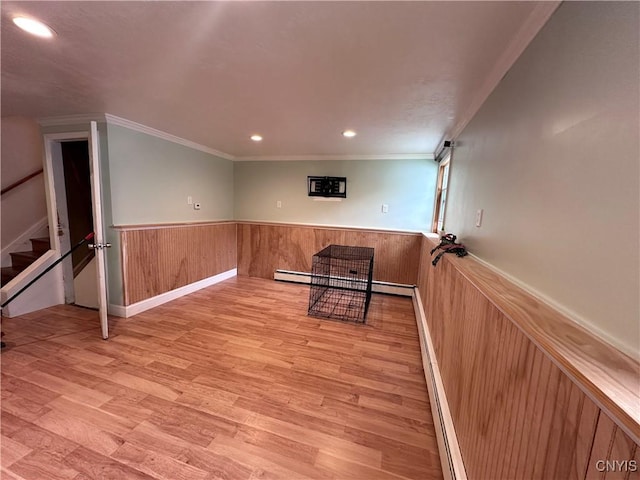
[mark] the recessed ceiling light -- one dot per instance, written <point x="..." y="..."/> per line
<point x="256" y="138"/>
<point x="349" y="133"/>
<point x="34" y="27"/>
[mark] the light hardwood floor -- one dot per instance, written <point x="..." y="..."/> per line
<point x="234" y="381"/>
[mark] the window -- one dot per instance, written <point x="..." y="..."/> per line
<point x="441" y="195"/>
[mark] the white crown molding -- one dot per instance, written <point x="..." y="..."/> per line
<point x="294" y="158"/>
<point x="536" y="20"/>
<point x="71" y="119"/>
<point x="138" y="127"/>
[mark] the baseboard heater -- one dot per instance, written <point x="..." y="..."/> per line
<point x="377" y="287"/>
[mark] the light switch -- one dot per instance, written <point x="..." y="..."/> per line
<point x="189" y="200"/>
<point x="385" y="208"/>
<point x="279" y="204"/>
<point x="479" y="217"/>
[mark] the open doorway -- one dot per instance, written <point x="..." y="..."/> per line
<point x="72" y="177"/>
<point x="89" y="287"/>
<point x="77" y="184"/>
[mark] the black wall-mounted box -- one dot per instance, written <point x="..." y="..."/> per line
<point x="327" y="186"/>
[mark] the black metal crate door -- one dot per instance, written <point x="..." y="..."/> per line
<point x="341" y="279"/>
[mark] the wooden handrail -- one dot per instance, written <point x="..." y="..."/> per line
<point x="21" y="181"/>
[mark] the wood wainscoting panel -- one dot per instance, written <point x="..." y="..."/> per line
<point x="614" y="454"/>
<point x="159" y="259"/>
<point x="516" y="413"/>
<point x="264" y="248"/>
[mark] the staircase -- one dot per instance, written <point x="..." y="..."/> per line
<point x="21" y="260"/>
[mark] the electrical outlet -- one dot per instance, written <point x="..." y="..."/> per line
<point x="196" y="206"/>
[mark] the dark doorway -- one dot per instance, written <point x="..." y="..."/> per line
<point x="75" y="161"/>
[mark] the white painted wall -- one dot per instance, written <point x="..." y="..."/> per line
<point x="553" y="159"/>
<point x="406" y="186"/>
<point x="21" y="154"/>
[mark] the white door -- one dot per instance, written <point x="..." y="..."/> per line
<point x="99" y="243"/>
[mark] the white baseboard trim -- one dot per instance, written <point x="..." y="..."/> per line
<point x="376" y="287"/>
<point x="449" y="449"/>
<point x="117" y="310"/>
<point x="22" y="242"/>
<point x="139" y="307"/>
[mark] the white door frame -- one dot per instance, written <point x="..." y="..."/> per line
<point x="58" y="221"/>
<point x="51" y="149"/>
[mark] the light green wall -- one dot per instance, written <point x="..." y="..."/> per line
<point x="152" y="177"/>
<point x="552" y="158"/>
<point x="146" y="180"/>
<point x="149" y="179"/>
<point x="407" y="186"/>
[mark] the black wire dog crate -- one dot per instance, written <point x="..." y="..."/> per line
<point x="341" y="279"/>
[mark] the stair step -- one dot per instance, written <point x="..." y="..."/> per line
<point x="23" y="259"/>
<point x="8" y="274"/>
<point x="40" y="245"/>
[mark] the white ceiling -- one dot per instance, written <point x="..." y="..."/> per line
<point x="404" y="75"/>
